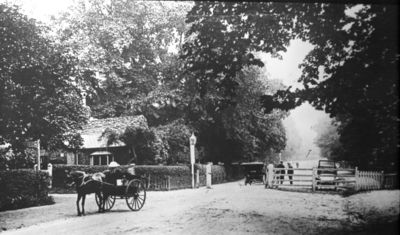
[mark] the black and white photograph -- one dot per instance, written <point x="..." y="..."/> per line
<point x="199" y="117"/>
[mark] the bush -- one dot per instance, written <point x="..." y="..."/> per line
<point x="179" y="176"/>
<point x="59" y="174"/>
<point x="23" y="188"/>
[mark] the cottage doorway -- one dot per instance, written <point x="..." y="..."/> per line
<point x="101" y="158"/>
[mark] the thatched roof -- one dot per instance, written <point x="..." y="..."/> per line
<point x="92" y="131"/>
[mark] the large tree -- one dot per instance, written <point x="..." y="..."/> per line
<point x="132" y="46"/>
<point x="237" y="133"/>
<point x="39" y="85"/>
<point x="358" y="83"/>
<point x="351" y="73"/>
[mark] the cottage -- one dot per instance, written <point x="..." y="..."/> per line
<point x="95" y="150"/>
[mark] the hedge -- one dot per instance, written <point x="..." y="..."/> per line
<point x="178" y="176"/>
<point x="23" y="188"/>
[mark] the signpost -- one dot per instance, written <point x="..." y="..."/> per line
<point x="192" y="140"/>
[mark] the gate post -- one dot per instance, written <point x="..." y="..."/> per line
<point x="270" y="176"/>
<point x="197" y="178"/>
<point x="208" y="175"/>
<point x="356" y="176"/>
<point x="50" y="172"/>
<point x="314" y="176"/>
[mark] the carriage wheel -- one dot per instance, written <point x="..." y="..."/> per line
<point x="110" y="201"/>
<point x="135" y="194"/>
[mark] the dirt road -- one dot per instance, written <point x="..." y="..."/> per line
<point x="225" y="209"/>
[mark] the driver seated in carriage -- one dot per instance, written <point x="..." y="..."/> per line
<point x="115" y="174"/>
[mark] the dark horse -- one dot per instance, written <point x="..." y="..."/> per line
<point x="86" y="184"/>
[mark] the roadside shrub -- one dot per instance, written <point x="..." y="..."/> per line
<point x="59" y="172"/>
<point x="181" y="171"/>
<point x="23" y="188"/>
<point x="179" y="176"/>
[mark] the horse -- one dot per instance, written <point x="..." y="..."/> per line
<point x="86" y="184"/>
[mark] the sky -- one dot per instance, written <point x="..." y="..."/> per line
<point x="304" y="116"/>
<point x="41" y="9"/>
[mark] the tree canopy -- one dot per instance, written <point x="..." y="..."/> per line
<point x="351" y="73"/>
<point x="39" y="85"/>
<point x="201" y="75"/>
<point x="131" y="47"/>
<point x="128" y="44"/>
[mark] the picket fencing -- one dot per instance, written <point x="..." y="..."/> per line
<point x="369" y="180"/>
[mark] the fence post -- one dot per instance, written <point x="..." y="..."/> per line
<point x="168" y="183"/>
<point x="270" y="176"/>
<point x="208" y="175"/>
<point x="382" y="180"/>
<point x="148" y="181"/>
<point x="50" y="173"/>
<point x="356" y="176"/>
<point x="314" y="175"/>
<point x="197" y="178"/>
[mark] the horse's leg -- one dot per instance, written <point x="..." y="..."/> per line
<point x="103" y="205"/>
<point x="83" y="204"/>
<point x="77" y="204"/>
<point x="100" y="200"/>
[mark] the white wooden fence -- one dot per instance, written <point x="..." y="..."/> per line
<point x="340" y="178"/>
<point x="369" y="180"/>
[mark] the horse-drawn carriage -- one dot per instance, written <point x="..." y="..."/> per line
<point x="122" y="185"/>
<point x="254" y="172"/>
<point x="112" y="184"/>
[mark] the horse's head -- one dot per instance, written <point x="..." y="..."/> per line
<point x="74" y="177"/>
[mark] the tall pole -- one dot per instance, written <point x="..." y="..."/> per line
<point x="38" y="154"/>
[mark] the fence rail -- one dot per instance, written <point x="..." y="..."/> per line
<point x="158" y="182"/>
<point x="333" y="178"/>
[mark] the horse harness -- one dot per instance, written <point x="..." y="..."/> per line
<point x="86" y="179"/>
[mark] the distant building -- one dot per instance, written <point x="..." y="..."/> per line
<point x="95" y="150"/>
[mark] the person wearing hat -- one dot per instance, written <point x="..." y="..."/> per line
<point x="270" y="175"/>
<point x="112" y="173"/>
